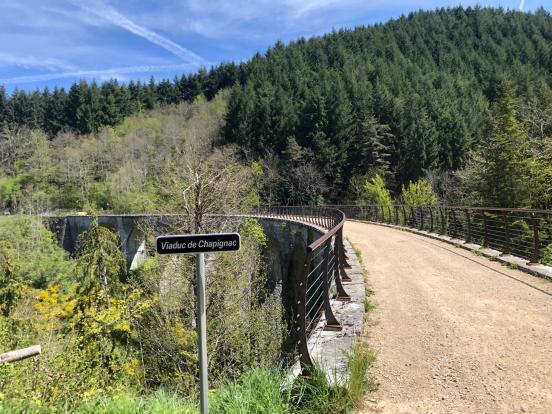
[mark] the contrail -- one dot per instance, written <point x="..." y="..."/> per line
<point x="521" y="4"/>
<point x="108" y="13"/>
<point x="111" y="72"/>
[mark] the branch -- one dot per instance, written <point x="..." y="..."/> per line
<point x="20" y="354"/>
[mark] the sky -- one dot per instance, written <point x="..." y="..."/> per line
<point x="56" y="42"/>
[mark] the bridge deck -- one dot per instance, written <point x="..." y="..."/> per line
<point x="454" y="332"/>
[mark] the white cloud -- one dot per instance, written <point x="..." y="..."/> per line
<point x="29" y="61"/>
<point x="521" y="4"/>
<point x="102" y="74"/>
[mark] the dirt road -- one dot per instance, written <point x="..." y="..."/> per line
<point x="454" y="332"/>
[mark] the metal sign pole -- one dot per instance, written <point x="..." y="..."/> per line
<point x="198" y="244"/>
<point x="201" y="321"/>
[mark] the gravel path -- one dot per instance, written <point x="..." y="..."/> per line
<point x="454" y="332"/>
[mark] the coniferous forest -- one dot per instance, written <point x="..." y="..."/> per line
<point x="408" y="99"/>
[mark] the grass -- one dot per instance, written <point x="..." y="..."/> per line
<point x="368" y="305"/>
<point x="160" y="402"/>
<point x="259" y="390"/>
<point x="359" y="383"/>
<point x="357" y="251"/>
<point x="513" y="266"/>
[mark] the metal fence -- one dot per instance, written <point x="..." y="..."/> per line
<point x="521" y="232"/>
<point x="323" y="272"/>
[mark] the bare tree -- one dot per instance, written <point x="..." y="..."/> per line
<point x="201" y="180"/>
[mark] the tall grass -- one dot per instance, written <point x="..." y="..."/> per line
<point x="160" y="402"/>
<point x="258" y="390"/>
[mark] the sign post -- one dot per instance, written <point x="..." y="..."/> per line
<point x="199" y="244"/>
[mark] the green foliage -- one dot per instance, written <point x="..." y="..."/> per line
<point x="31" y="252"/>
<point x="101" y="265"/>
<point x="160" y="402"/>
<point x="395" y="99"/>
<point x="10" y="191"/>
<point x="504" y="171"/>
<point x="376" y="193"/>
<point x="419" y="193"/>
<point x="254" y="332"/>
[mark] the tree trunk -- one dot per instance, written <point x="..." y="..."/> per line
<point x="20" y="354"/>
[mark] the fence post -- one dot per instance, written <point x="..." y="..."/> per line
<point x="536" y="242"/>
<point x="431" y="219"/>
<point x="442" y="227"/>
<point x="302" y="347"/>
<point x="341" y="294"/>
<point x="507" y="242"/>
<point x="404" y="215"/>
<point x="332" y="324"/>
<point x="396" y="215"/>
<point x="485" y="235"/>
<point x="468" y="220"/>
<point x="343" y="256"/>
<point x="454" y="234"/>
<point x="421" y="217"/>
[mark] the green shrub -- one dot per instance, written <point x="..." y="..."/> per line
<point x="419" y="193"/>
<point x="37" y="257"/>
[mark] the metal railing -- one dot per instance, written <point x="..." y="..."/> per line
<point x="322" y="275"/>
<point x="520" y="232"/>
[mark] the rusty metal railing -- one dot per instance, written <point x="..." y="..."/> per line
<point x="520" y="232"/>
<point x="323" y="272"/>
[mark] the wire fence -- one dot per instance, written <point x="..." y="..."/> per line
<point x="520" y="232"/>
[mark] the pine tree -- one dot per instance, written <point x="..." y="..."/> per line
<point x="503" y="151"/>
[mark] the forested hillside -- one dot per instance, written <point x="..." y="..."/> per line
<point x="411" y="98"/>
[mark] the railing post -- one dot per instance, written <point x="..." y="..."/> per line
<point x="343" y="256"/>
<point x="442" y="230"/>
<point x="332" y="324"/>
<point x="536" y="242"/>
<point x="507" y="249"/>
<point x="454" y="234"/>
<point x="341" y="294"/>
<point x="430" y="219"/>
<point x="404" y="215"/>
<point x="302" y="347"/>
<point x="421" y="217"/>
<point x="485" y="230"/>
<point x="396" y="215"/>
<point x="468" y="221"/>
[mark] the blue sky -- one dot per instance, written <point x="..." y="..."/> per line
<point x="55" y="42"/>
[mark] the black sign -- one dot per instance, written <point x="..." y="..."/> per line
<point x="198" y="243"/>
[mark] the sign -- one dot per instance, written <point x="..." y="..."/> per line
<point x="198" y="243"/>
